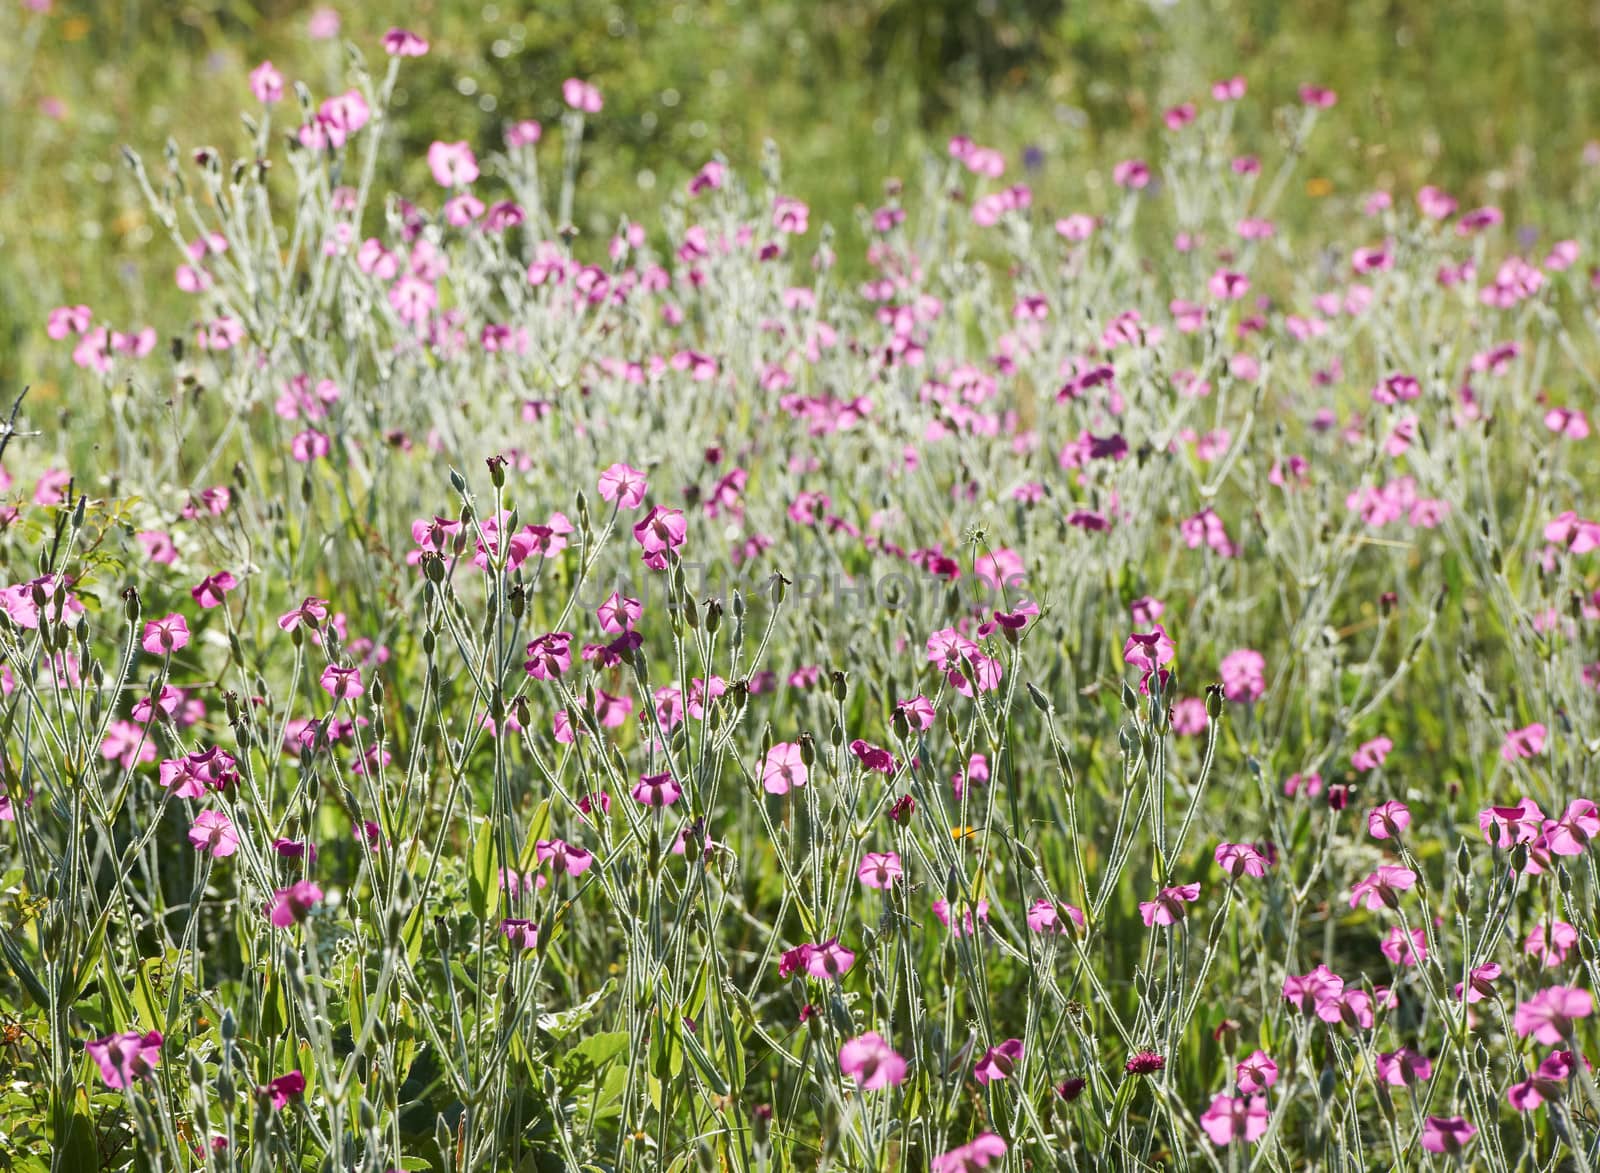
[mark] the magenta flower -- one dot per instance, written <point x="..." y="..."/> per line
<point x="1506" y="826"/>
<point x="166" y="635"/>
<point x="783" y="768"/>
<point x="657" y="790"/>
<point x="873" y="757"/>
<point x="1144" y="1063"/>
<point x="998" y="1062"/>
<point x="192" y="775"/>
<point x="1547" y="1083"/>
<point x="1479" y="983"/>
<point x="312" y="612"/>
<point x="618" y="614"/>
<point x="563" y="856"/>
<point x="1167" y="907"/>
<point x="871" y="1062"/>
<point x="292" y="904"/>
<point x="1577" y="827"/>
<point x="1243" y="675"/>
<point x="523" y="934"/>
<point x="342" y="683"/>
<point x="1307" y="991"/>
<point x="211" y="589"/>
<point x="1552" y="946"/>
<point x="125" y="1057"/>
<point x="879" y="869"/>
<point x="1548" y="1015"/>
<point x="1350" y="1007"/>
<point x="1382" y="888"/>
<point x="266" y="83"/>
<point x="1231" y="1118"/>
<point x="1446" y="1134"/>
<point x="1240" y="859"/>
<point x="1404" y="1067"/>
<point x="1527" y="742"/>
<point x="1388" y="820"/>
<point x="660" y="533"/>
<point x="1132" y="174"/>
<point x="1371" y="754"/>
<point x="1404" y="948"/>
<point x="977" y="1153"/>
<point x="625" y="485"/>
<point x="284" y="1088"/>
<point x="452" y="164"/>
<point x="1255" y="1074"/>
<point x="1044" y="917"/>
<point x="213" y="831"/>
<point x="549" y="656"/>
<point x="829" y="960"/>
<point x="1147" y="652"/>
<point x="581" y="96"/>
<point x="404" y="43"/>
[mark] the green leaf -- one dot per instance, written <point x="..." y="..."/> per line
<point x="482" y="892"/>
<point x="19" y="966"/>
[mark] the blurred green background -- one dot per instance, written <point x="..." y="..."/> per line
<point x="1494" y="99"/>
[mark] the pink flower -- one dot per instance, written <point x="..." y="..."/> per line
<point x="1318" y="97"/>
<point x="1403" y="948"/>
<point x="1167" y="907"/>
<point x="977" y="1153"/>
<point x="126" y="1057"/>
<point x="1479" y="983"/>
<point x="1526" y="742"/>
<point x="1388" y="820"/>
<point x="783" y="768"/>
<point x="266" y="83"/>
<point x="1547" y="1083"/>
<point x="525" y="133"/>
<point x="1309" y="990"/>
<point x="452" y="164"/>
<point x="213" y="832"/>
<point x="1578" y="825"/>
<point x="1144" y="1063"/>
<point x="1231" y="1118"/>
<point x="998" y="1062"/>
<point x="164" y="636"/>
<point x="284" y="1088"/>
<point x="871" y="1062"/>
<point x="563" y="856"/>
<point x="581" y="96"/>
<point x="1243" y="675"/>
<point x="1404" y="1067"/>
<point x="1240" y="859"/>
<point x="211" y="589"/>
<point x="623" y="484"/>
<point x="323" y="24"/>
<point x="829" y="960"/>
<point x="1044" y="917"/>
<point x="404" y="43"/>
<point x="1506" y="826"/>
<point x="618" y="614"/>
<point x="1446" y="1134"/>
<point x="522" y="933"/>
<point x="1548" y="1015"/>
<point x="312" y="612"/>
<point x="549" y="656"/>
<point x="1349" y="1007"/>
<point x="1226" y="285"/>
<point x="1382" y="888"/>
<point x="1132" y="174"/>
<point x="657" y="790"/>
<point x="1550" y="945"/>
<point x="661" y="532"/>
<point x="1228" y="90"/>
<point x="1371" y="754"/>
<point x="873" y="757"/>
<point x="1255" y="1074"/>
<point x="342" y="683"/>
<point x="879" y="869"/>
<point x="1147" y="652"/>
<point x="292" y="904"/>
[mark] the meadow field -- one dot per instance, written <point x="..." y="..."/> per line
<point x="751" y="586"/>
